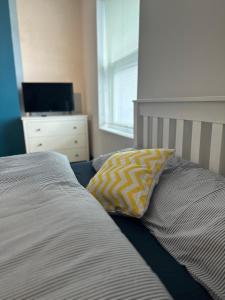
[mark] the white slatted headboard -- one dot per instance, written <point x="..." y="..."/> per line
<point x="193" y="126"/>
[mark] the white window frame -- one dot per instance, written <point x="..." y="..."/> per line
<point x="105" y="119"/>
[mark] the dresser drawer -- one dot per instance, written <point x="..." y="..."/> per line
<point x="74" y="155"/>
<point x="50" y="143"/>
<point x="54" y="128"/>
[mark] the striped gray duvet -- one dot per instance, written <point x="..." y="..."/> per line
<point x="56" y="241"/>
<point x="187" y="216"/>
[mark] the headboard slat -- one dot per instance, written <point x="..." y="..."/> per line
<point x="215" y="148"/>
<point x="166" y="132"/>
<point x="145" y="132"/>
<point x="179" y="137"/>
<point x="154" y="132"/>
<point x="195" y="141"/>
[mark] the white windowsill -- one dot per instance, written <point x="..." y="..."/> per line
<point x="117" y="131"/>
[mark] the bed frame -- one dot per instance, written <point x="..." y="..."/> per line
<point x="193" y="126"/>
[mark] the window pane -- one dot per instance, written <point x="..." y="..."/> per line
<point x="122" y="26"/>
<point x="124" y="91"/>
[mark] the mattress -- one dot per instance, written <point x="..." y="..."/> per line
<point x="174" y="276"/>
<point x="57" y="242"/>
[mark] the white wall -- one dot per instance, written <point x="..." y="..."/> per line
<point x="182" y="48"/>
<point x="182" y="53"/>
<point x="101" y="142"/>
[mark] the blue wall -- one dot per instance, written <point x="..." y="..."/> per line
<point x="11" y="134"/>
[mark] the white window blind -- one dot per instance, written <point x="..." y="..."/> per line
<point x="118" y="33"/>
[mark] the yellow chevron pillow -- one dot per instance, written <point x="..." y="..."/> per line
<point x="126" y="180"/>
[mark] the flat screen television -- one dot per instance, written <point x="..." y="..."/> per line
<point x="42" y="97"/>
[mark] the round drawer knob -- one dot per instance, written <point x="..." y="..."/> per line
<point x="76" y="142"/>
<point x="38" y="129"/>
<point x="76" y="155"/>
<point x="39" y="145"/>
<point x="74" y="127"/>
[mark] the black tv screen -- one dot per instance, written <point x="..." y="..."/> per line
<point x="48" y="97"/>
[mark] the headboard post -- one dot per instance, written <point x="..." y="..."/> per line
<point x="138" y="126"/>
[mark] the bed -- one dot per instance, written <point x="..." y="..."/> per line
<point x="57" y="242"/>
<point x="195" y="128"/>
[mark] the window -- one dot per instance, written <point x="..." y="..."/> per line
<point x="118" y="31"/>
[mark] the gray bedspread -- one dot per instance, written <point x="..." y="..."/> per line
<point x="57" y="242"/>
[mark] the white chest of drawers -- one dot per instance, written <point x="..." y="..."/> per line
<point x="64" y="134"/>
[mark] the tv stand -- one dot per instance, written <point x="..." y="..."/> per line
<point x="66" y="134"/>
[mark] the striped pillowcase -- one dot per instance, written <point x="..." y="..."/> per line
<point x="187" y="215"/>
<point x="98" y="162"/>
